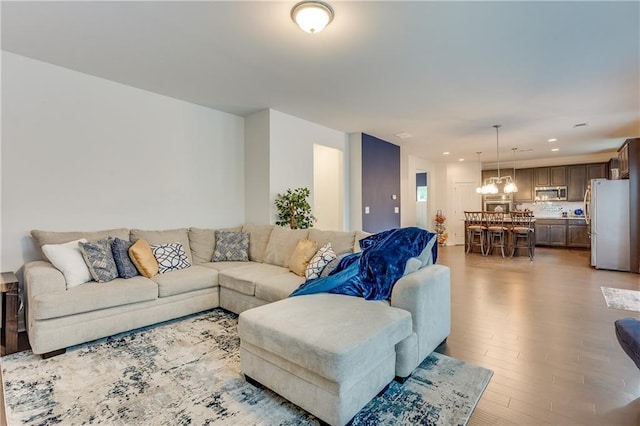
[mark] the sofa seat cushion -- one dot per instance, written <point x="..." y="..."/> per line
<point x="243" y="279"/>
<point x="93" y="296"/>
<point x="227" y="264"/>
<point x="277" y="287"/>
<point x="186" y="280"/>
<point x="334" y="335"/>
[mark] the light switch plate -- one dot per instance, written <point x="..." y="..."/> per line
<point x="366" y="210"/>
<point x="396" y="209"/>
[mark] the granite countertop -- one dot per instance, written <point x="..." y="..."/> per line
<point x="562" y="218"/>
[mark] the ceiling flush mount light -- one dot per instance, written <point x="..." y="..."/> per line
<point x="312" y="16"/>
<point x="491" y="184"/>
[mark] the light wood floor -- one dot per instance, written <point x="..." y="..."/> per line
<point x="545" y="331"/>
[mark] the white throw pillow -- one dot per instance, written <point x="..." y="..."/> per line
<point x="67" y="258"/>
<point x="319" y="261"/>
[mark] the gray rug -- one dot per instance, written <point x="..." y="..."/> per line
<point x="618" y="298"/>
<point x="187" y="372"/>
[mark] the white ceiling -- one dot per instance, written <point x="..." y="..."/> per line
<point x="444" y="72"/>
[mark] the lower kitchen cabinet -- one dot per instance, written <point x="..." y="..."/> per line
<point x="573" y="233"/>
<point x="578" y="234"/>
<point x="551" y="232"/>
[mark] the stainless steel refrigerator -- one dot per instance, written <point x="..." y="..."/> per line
<point x="607" y="214"/>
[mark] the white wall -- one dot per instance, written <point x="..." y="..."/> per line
<point x="291" y="152"/>
<point x="257" y="199"/>
<point x="83" y="153"/>
<point x="328" y="187"/>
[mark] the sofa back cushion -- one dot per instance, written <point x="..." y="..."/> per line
<point x="258" y="239"/>
<point x="203" y="243"/>
<point x="281" y="245"/>
<point x="359" y="235"/>
<point x="50" y="237"/>
<point x="341" y="241"/>
<point x="180" y="235"/>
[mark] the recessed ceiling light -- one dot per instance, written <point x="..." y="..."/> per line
<point x="446" y="153"/>
<point x="403" y="135"/>
<point x="460" y="159"/>
<point x="552" y="140"/>
<point x="555" y="149"/>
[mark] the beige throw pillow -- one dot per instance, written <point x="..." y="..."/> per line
<point x="142" y="256"/>
<point x="302" y="254"/>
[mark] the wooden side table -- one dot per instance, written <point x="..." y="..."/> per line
<point x="10" y="303"/>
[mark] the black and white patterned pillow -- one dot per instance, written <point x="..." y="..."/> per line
<point x="98" y="257"/>
<point x="318" y="262"/>
<point x="170" y="257"/>
<point x="231" y="246"/>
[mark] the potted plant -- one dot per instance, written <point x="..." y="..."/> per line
<point x="294" y="209"/>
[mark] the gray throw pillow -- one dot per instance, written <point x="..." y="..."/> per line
<point x="332" y="265"/>
<point x="98" y="257"/>
<point x="231" y="246"/>
<point x="120" y="251"/>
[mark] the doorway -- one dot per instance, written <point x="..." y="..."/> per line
<point x="422" y="199"/>
<point x="464" y="199"/>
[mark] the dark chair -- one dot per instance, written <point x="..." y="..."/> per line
<point x="628" y="334"/>
<point x="476" y="231"/>
<point x="522" y="232"/>
<point x="496" y="231"/>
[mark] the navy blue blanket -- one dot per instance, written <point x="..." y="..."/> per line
<point x="372" y="272"/>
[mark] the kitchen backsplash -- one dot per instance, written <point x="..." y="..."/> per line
<point x="551" y="209"/>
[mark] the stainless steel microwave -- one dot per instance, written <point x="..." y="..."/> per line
<point x="551" y="193"/>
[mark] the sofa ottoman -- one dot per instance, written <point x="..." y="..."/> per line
<point x="329" y="354"/>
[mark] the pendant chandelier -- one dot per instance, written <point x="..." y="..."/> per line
<point x="490" y="185"/>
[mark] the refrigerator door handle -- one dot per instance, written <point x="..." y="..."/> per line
<point x="586" y="203"/>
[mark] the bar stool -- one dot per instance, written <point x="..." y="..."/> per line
<point x="522" y="232"/>
<point x="496" y="231"/>
<point x="476" y="231"/>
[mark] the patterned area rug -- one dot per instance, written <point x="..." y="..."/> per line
<point x="618" y="298"/>
<point x="187" y="372"/>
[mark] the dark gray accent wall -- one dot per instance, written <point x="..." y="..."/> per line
<point x="380" y="182"/>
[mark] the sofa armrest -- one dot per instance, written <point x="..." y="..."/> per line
<point x="41" y="277"/>
<point x="426" y="294"/>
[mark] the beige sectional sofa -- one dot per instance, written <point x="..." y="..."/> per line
<point x="419" y="310"/>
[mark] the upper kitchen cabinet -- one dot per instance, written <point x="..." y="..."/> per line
<point x="578" y="177"/>
<point x="550" y="176"/>
<point x="577" y="182"/>
<point x="524" y="181"/>
<point x="623" y="159"/>
<point x="596" y="171"/>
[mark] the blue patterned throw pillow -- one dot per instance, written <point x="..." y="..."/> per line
<point x="120" y="251"/>
<point x="231" y="246"/>
<point x="97" y="255"/>
<point x="170" y="257"/>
